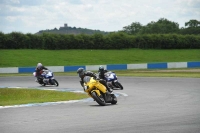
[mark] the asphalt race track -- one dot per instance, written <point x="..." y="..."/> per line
<point x="146" y="105"/>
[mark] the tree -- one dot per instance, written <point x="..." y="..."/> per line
<point x="193" y="23"/>
<point x="162" y="26"/>
<point x="134" y="28"/>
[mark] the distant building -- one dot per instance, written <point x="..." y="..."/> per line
<point x="65" y="26"/>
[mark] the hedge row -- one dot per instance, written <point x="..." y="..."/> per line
<point x="117" y="40"/>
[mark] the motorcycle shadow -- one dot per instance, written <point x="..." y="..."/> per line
<point x="103" y="106"/>
<point x="46" y="86"/>
<point x="117" y="89"/>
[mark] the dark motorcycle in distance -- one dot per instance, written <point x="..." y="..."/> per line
<point x="112" y="81"/>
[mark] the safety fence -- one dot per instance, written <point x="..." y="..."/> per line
<point x="164" y="65"/>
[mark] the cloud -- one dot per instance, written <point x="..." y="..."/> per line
<point x="30" y="16"/>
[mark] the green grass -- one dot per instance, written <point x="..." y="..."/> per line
<point x="27" y="57"/>
<point x="10" y="96"/>
<point x="184" y="73"/>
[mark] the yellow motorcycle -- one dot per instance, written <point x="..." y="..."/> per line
<point x="98" y="91"/>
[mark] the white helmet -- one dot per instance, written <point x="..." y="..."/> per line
<point x="39" y="65"/>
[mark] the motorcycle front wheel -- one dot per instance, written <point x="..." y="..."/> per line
<point x="98" y="99"/>
<point x="118" y="85"/>
<point x="56" y="82"/>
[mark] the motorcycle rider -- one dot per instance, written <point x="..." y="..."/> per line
<point x="82" y="73"/>
<point x="101" y="72"/>
<point x="39" y="70"/>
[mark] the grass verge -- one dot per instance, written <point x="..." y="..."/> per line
<point x="30" y="57"/>
<point x="12" y="96"/>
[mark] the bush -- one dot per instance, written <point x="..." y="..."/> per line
<point x="116" y="40"/>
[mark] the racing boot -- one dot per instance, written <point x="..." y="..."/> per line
<point x="109" y="89"/>
<point x="105" y="84"/>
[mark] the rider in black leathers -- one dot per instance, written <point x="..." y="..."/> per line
<point x="82" y="73"/>
<point x="101" y="72"/>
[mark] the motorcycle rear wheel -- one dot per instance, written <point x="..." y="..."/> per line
<point x="98" y="99"/>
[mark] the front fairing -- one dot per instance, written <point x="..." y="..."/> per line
<point x="91" y="84"/>
<point x="110" y="76"/>
<point x="48" y="75"/>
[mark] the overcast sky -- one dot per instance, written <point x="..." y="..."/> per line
<point x="31" y="16"/>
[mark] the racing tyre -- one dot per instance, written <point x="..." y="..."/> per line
<point x="56" y="82"/>
<point x="98" y="99"/>
<point x="119" y="85"/>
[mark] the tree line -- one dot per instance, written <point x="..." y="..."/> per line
<point x="162" y="34"/>
<point x="116" y="40"/>
<point x="163" y="26"/>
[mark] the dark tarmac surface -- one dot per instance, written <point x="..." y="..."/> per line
<point x="152" y="105"/>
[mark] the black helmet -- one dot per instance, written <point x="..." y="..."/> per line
<point x="81" y="72"/>
<point x="101" y="68"/>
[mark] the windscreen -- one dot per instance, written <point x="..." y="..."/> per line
<point x="86" y="79"/>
